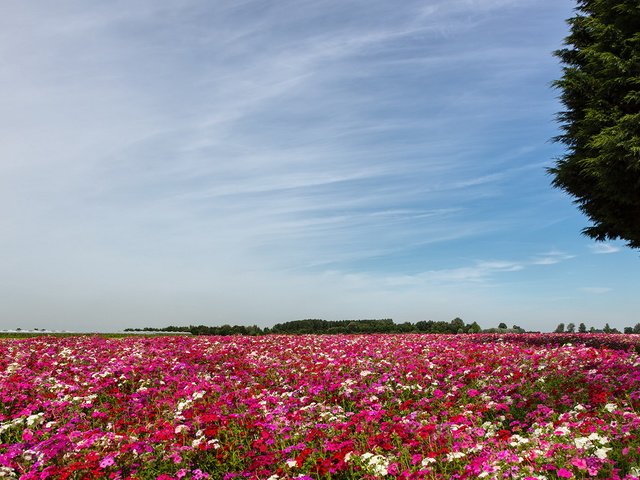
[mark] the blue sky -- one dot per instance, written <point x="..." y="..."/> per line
<point x="191" y="162"/>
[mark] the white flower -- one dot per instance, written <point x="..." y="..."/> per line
<point x="610" y="407"/>
<point x="582" y="442"/>
<point x="292" y="463"/>
<point x="377" y="464"/>
<point x="454" y="455"/>
<point x="601" y="453"/>
<point x="6" y="472"/>
<point x="518" y="440"/>
<point x="34" y="419"/>
<point x="427" y="460"/>
<point x="365" y="373"/>
<point x="594" y="437"/>
<point x="197" y="395"/>
<point x="181" y="428"/>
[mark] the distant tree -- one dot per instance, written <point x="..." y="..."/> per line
<point x="607" y="328"/>
<point x="600" y="90"/>
<point x="474" y="328"/>
<point x="502" y="326"/>
<point x="628" y="330"/>
<point x="457" y="325"/>
<point x="571" y="327"/>
<point x="582" y="328"/>
<point x="441" y="327"/>
<point x="405" y="327"/>
<point x="636" y="328"/>
<point x="424" y="326"/>
<point x="559" y="328"/>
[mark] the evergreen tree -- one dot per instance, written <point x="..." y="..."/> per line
<point x="600" y="90"/>
<point x="559" y="328"/>
<point x="582" y="328"/>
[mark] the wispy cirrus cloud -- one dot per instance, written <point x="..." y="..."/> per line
<point x="285" y="146"/>
<point x="551" y="258"/>
<point x="603" y="248"/>
<point x="217" y="149"/>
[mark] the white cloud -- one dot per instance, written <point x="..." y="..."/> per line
<point x="604" y="248"/>
<point x="551" y="258"/>
<point x="201" y="146"/>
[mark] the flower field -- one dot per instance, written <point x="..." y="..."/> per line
<point x="316" y="407"/>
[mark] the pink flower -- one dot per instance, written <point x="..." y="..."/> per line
<point x="564" y="473"/>
<point x="107" y="462"/>
<point x="581" y="463"/>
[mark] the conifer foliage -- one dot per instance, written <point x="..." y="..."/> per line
<point x="600" y="90"/>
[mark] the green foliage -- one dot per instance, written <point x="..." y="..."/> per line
<point x="601" y="122"/>
<point x="318" y="326"/>
<point x="335" y="326"/>
<point x="474" y="328"/>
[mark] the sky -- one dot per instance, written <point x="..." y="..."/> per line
<point x="254" y="162"/>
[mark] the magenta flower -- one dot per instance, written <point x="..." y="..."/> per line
<point x="107" y="461"/>
<point x="564" y="473"/>
<point x="300" y="407"/>
<point x="581" y="463"/>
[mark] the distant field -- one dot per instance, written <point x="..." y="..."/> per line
<point x="320" y="407"/>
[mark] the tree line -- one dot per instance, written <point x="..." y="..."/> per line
<point x="582" y="328"/>
<point x="385" y="325"/>
<point x="319" y="326"/>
